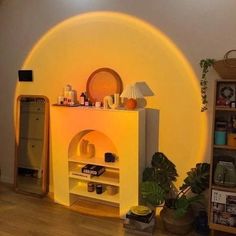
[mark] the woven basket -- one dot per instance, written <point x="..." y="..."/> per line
<point x="226" y="68"/>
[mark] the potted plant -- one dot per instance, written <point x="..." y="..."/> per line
<point x="205" y="64"/>
<point x="158" y="189"/>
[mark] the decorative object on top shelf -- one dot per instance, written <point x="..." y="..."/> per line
<point x="103" y="82"/>
<point x="158" y="188"/>
<point x="82" y="99"/>
<point x="131" y="92"/>
<point x="98" y="104"/>
<point x="68" y="98"/>
<point x="109" y="103"/>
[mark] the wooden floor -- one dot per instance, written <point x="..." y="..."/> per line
<point x="22" y="215"/>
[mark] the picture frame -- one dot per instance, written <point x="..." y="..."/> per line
<point x="226" y="94"/>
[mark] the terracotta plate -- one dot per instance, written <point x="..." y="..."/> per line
<point x="103" y="82"/>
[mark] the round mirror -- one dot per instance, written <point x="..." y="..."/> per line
<point x="103" y="82"/>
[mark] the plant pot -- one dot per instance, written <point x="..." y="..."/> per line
<point x="181" y="225"/>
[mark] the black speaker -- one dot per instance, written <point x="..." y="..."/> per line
<point x="25" y="75"/>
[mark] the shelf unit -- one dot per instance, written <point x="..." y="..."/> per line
<point x="222" y="201"/>
<point x="121" y="132"/>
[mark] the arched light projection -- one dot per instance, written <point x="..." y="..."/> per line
<point x="139" y="52"/>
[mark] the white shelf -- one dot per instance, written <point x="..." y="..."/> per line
<point x="108" y="177"/>
<point x="80" y="189"/>
<point x="95" y="161"/>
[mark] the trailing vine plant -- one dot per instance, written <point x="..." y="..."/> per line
<point x="205" y="64"/>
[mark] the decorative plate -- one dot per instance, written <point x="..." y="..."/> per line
<point x="140" y="210"/>
<point x="227" y="92"/>
<point x="103" y="82"/>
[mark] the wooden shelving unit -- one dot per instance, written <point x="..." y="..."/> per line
<point x="222" y="201"/>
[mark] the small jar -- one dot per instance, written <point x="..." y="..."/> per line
<point x="111" y="190"/>
<point x="220" y="137"/>
<point x="99" y="189"/>
<point x="90" y="187"/>
<point x="60" y="100"/>
<point x="82" y="99"/>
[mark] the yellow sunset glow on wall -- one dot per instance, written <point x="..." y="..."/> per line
<point x="73" y="49"/>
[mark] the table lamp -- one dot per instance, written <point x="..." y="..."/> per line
<point x="131" y="92"/>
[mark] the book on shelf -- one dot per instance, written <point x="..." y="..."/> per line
<point x="78" y="173"/>
<point x="224" y="208"/>
<point x="142" y="218"/>
<point x="93" y="169"/>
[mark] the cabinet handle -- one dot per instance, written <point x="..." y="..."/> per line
<point x="32" y="146"/>
<point x="37" y="119"/>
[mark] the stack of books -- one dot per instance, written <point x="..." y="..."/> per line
<point x="93" y="169"/>
<point x="77" y="173"/>
<point x="140" y="220"/>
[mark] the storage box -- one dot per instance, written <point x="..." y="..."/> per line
<point x="220" y="137"/>
<point x="231" y="139"/>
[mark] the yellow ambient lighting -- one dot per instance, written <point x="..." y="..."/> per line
<point x="73" y="49"/>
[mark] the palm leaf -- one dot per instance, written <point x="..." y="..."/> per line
<point x="197" y="178"/>
<point x="152" y="193"/>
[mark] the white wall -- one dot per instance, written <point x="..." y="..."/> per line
<point x="203" y="28"/>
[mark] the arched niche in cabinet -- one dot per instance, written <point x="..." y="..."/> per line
<point x="91" y="144"/>
<point x="88" y="147"/>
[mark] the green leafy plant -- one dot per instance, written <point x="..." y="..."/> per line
<point x="205" y="64"/>
<point x="158" y="187"/>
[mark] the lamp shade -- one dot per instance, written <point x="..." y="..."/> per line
<point x="131" y="91"/>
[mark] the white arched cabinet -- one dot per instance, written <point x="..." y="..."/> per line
<point x="121" y="132"/>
